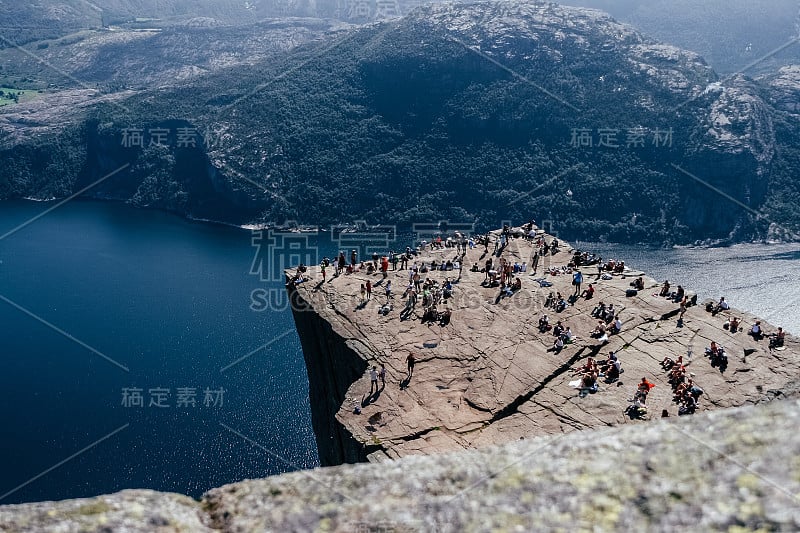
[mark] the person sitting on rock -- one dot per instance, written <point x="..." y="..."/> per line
<point x="694" y="390"/>
<point x="678" y="295"/>
<point x="613" y="371"/>
<point x="620" y="268"/>
<point x="732" y="324"/>
<point x="714" y="349"/>
<point x="430" y="315"/>
<point x="680" y="389"/>
<point x="677" y="375"/>
<point x="609" y="314"/>
<point x="756" y="332"/>
<point x="776" y="339"/>
<point x="611" y="367"/>
<point x="589" y="366"/>
<point x="548" y="303"/>
<point x="722" y="305"/>
<point x="544" y="324"/>
<point x="558" y="344"/>
<point x="667" y="363"/>
<point x="616" y="326"/>
<point x="517" y="285"/>
<point x="638" y="284"/>
<point x="558" y="329"/>
<point x="717" y="355"/>
<point x="599" y="330"/>
<point x="561" y="304"/>
<point x="447" y="289"/>
<point x="589" y="380"/>
<point x="664" y="289"/>
<point x="506" y="290"/>
<point x="688" y="406"/>
<point x="599" y="311"/>
<point x="588" y="292"/>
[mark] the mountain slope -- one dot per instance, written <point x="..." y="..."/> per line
<point x="464" y="112"/>
<point x="114" y="59"/>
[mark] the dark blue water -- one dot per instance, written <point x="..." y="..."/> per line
<point x="168" y="299"/>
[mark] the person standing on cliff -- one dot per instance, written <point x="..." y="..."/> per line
<point x="410" y="361"/>
<point x="340" y="264"/>
<point x="382" y="375"/>
<point x="577" y="279"/>
<point x="369" y="289"/>
<point x="388" y="291"/>
<point x="373" y="380"/>
<point x="363" y="294"/>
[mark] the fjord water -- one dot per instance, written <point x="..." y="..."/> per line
<point x="171" y="301"/>
<point x="168" y="299"/>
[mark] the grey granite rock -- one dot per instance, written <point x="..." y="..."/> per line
<point x="129" y="510"/>
<point x="726" y="470"/>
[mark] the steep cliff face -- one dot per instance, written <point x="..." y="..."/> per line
<point x="334" y="364"/>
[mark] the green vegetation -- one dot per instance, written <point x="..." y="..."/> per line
<point x="10" y="95"/>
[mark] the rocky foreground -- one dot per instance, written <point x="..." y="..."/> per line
<point x="730" y="470"/>
<point x="490" y="377"/>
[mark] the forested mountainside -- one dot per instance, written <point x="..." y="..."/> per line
<point x="468" y="112"/>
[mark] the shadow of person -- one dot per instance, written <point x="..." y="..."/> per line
<point x="405" y="383"/>
<point x="365" y="400"/>
<point x="636" y="413"/>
